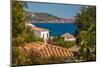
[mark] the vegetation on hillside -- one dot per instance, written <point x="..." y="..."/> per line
<point x="86" y="22"/>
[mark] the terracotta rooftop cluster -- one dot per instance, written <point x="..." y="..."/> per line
<point x="47" y="50"/>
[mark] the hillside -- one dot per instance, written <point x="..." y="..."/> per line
<point x="40" y="17"/>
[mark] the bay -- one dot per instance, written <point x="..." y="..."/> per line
<point x="58" y="29"/>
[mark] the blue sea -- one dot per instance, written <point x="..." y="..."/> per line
<point x="58" y="29"/>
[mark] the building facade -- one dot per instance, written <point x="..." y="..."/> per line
<point x="40" y="32"/>
<point x="68" y="37"/>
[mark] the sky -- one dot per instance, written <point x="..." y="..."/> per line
<point x="59" y="10"/>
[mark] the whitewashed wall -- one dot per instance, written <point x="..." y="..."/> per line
<point x="70" y="39"/>
<point x="45" y="34"/>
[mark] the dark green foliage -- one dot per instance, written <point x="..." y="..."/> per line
<point x="53" y="59"/>
<point x="18" y="23"/>
<point x="86" y="22"/>
<point x="31" y="37"/>
<point x="37" y="60"/>
<point x="19" y="57"/>
<point x="20" y="34"/>
<point x="59" y="41"/>
<point x="69" y="44"/>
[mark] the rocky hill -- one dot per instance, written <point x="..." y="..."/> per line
<point x="40" y="17"/>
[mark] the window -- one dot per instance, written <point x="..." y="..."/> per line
<point x="47" y="35"/>
<point x="43" y="36"/>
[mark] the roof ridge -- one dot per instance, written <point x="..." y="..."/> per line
<point x="39" y="29"/>
<point x="58" y="47"/>
<point x="47" y="50"/>
<point x="42" y="46"/>
<point x="54" y="46"/>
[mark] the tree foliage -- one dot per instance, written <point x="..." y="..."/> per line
<point x="18" y="23"/>
<point x="20" y="34"/>
<point x="86" y="22"/>
<point x="60" y="41"/>
<point x="17" y="18"/>
<point x="19" y="57"/>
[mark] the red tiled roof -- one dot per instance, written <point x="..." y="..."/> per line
<point x="51" y="50"/>
<point x="38" y="29"/>
<point x="67" y="35"/>
<point x="48" y="50"/>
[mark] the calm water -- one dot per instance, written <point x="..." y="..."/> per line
<point x="58" y="29"/>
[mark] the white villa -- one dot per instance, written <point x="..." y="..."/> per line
<point x="44" y="33"/>
<point x="68" y="37"/>
<point x="40" y="32"/>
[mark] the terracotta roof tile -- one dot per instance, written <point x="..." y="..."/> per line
<point x="49" y="50"/>
<point x="67" y="35"/>
<point x="38" y="29"/>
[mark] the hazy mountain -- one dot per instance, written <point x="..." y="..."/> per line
<point x="40" y="17"/>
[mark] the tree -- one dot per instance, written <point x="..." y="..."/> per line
<point x="19" y="34"/>
<point x="59" y="41"/>
<point x="86" y="22"/>
<point x="18" y="23"/>
<point x="17" y="18"/>
<point x="31" y="36"/>
<point x="20" y="57"/>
